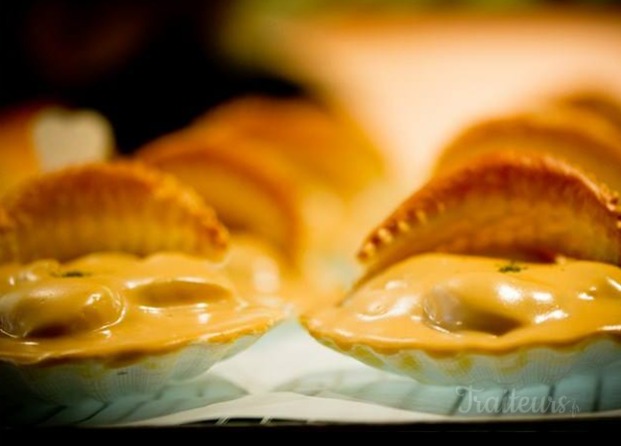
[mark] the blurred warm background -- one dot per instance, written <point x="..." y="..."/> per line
<point x="408" y="73"/>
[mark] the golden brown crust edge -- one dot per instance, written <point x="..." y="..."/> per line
<point x="506" y="201"/>
<point x="122" y="206"/>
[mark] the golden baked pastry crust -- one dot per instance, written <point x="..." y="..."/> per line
<point x="106" y="207"/>
<point x="502" y="203"/>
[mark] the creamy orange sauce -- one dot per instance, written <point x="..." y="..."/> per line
<point x="117" y="306"/>
<point x="445" y="303"/>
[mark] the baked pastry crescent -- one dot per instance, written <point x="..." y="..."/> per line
<point x="508" y="204"/>
<point x="106" y="207"/>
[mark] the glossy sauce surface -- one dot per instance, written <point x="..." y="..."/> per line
<point x="113" y="305"/>
<point x="444" y="303"/>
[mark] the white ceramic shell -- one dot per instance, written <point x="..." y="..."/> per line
<point x="517" y="369"/>
<point x="92" y="379"/>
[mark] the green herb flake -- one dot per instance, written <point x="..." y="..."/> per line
<point x="73" y="274"/>
<point x="511" y="267"/>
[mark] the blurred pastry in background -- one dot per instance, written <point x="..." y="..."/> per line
<point x="251" y="195"/>
<point x="41" y="137"/>
<point x="326" y="152"/>
<point x="606" y="105"/>
<point x="303" y="132"/>
<point x="582" y="128"/>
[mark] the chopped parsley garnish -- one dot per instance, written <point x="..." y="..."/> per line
<point x="511" y="267"/>
<point x="73" y="274"/>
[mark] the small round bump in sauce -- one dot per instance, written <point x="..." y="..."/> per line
<point x="58" y="307"/>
